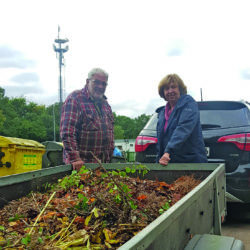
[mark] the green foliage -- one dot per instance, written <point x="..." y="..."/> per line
<point x="26" y="240"/>
<point x="128" y="128"/>
<point x="83" y="203"/>
<point x="2" y="92"/>
<point x="40" y="240"/>
<point x="119" y="132"/>
<point x="70" y="181"/>
<point x="2" y="120"/>
<point x="142" y="169"/>
<point x="22" y="119"/>
<point x="15" y="218"/>
<point x="165" y="207"/>
<point x="118" y="199"/>
<point x="132" y="205"/>
<point x="123" y="192"/>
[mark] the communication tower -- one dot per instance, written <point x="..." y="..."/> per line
<point x="60" y="50"/>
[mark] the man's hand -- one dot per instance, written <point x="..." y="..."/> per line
<point x="77" y="165"/>
<point x="164" y="159"/>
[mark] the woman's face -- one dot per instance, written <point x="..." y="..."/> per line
<point x="172" y="93"/>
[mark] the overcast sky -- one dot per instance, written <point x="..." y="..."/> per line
<point x="137" y="42"/>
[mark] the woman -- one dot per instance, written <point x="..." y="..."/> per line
<point x="179" y="131"/>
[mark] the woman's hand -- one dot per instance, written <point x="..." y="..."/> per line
<point x="77" y="165"/>
<point x="164" y="159"/>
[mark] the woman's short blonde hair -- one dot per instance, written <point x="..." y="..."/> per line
<point x="171" y="78"/>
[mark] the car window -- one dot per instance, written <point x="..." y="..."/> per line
<point x="152" y="123"/>
<point x="225" y="118"/>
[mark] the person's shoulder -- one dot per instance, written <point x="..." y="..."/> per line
<point x="189" y="103"/>
<point x="75" y="94"/>
<point x="185" y="99"/>
<point x="160" y="109"/>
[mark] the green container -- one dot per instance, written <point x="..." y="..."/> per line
<point x="53" y="155"/>
<point x="130" y="156"/>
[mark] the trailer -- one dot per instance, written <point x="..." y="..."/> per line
<point x="194" y="222"/>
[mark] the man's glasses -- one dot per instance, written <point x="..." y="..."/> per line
<point x="98" y="82"/>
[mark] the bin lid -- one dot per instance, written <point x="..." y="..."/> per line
<point x="6" y="141"/>
<point x="53" y="145"/>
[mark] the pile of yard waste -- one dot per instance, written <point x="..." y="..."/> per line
<point x="89" y="209"/>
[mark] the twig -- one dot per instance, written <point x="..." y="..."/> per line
<point x="124" y="197"/>
<point x="66" y="229"/>
<point x="36" y="202"/>
<point x="107" y="204"/>
<point x="42" y="212"/>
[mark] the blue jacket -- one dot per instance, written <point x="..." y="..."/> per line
<point x="183" y="137"/>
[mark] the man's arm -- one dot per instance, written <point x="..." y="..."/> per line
<point x="70" y="117"/>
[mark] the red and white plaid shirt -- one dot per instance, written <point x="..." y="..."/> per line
<point x="86" y="127"/>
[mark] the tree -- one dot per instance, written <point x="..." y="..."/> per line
<point x="2" y="92"/>
<point x="2" y="120"/>
<point x="119" y="132"/>
<point x="131" y="127"/>
<point x="22" y="119"/>
<point x="140" y="122"/>
<point x="127" y="124"/>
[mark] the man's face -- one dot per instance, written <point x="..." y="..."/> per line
<point x="97" y="85"/>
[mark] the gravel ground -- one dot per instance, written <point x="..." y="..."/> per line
<point x="237" y="224"/>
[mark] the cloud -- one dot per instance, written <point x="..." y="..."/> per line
<point x="245" y="74"/>
<point x="153" y="104"/>
<point x="14" y="91"/>
<point x="26" y="78"/>
<point x="10" y="58"/>
<point x="128" y="108"/>
<point x="176" y="48"/>
<point x="134" y="108"/>
<point x="175" y="51"/>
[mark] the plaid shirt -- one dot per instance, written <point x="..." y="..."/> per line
<point x="85" y="128"/>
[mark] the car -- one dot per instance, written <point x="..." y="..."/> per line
<point x="226" y="133"/>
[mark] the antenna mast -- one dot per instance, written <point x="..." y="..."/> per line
<point x="60" y="51"/>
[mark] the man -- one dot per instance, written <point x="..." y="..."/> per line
<point x="87" y="123"/>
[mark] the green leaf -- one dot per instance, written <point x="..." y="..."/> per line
<point x="128" y="170"/>
<point x="80" y="196"/>
<point x="26" y="240"/>
<point x="114" y="173"/>
<point x="161" y="211"/>
<point x="123" y="174"/>
<point x="40" y="240"/>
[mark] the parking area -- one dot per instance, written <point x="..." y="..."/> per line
<point x="237" y="224"/>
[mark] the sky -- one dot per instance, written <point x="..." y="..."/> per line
<point x="138" y="42"/>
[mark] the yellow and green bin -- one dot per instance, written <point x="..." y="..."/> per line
<point x="19" y="155"/>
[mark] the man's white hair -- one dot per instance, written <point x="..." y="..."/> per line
<point x="97" y="71"/>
